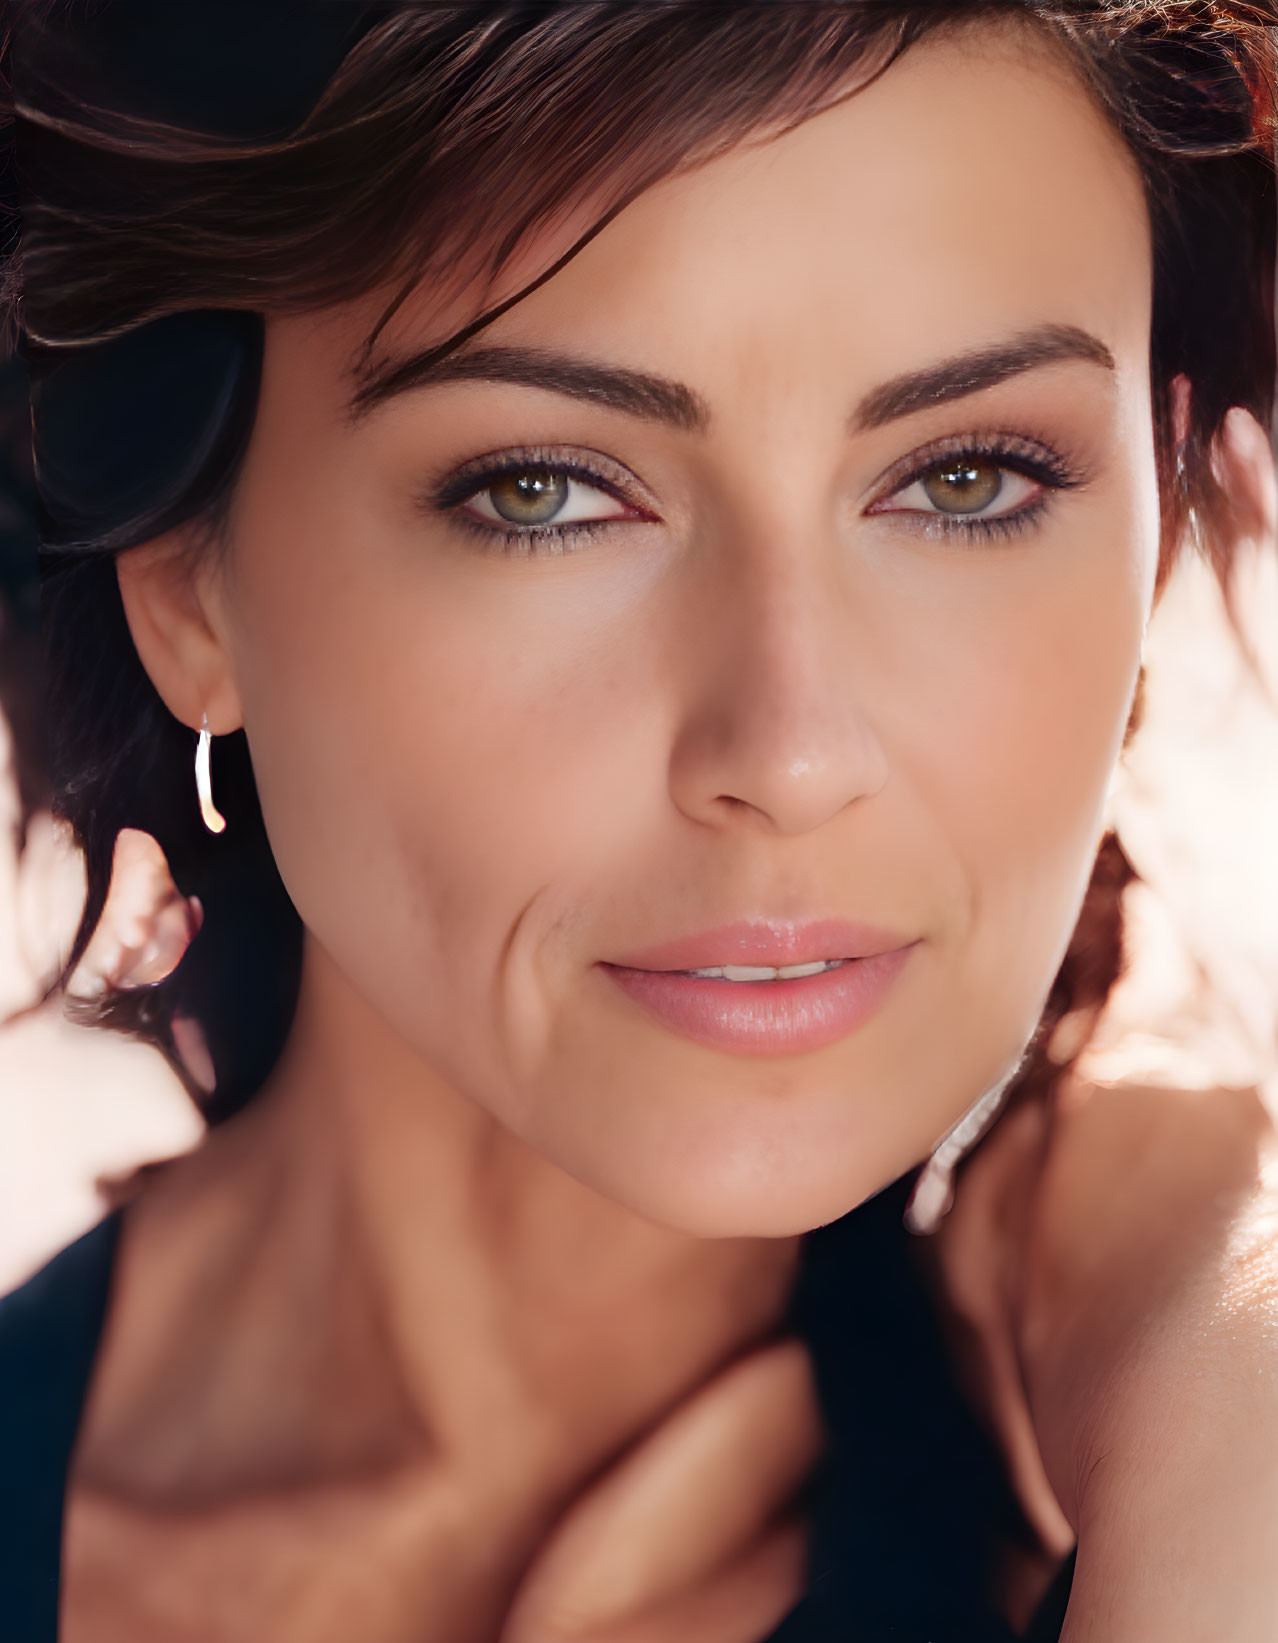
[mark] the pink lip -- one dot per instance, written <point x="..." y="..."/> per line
<point x="766" y="1017"/>
<point x="774" y="942"/>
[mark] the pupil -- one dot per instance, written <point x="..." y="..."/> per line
<point x="529" y="497"/>
<point x="963" y="486"/>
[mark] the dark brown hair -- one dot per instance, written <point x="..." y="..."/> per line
<point x="20" y="649"/>
<point x="444" y="137"/>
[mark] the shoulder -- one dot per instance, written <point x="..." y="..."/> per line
<point x="49" y="1330"/>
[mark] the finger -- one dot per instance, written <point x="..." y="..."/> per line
<point x="744" y="1603"/>
<point x="193" y="1049"/>
<point x="145" y="926"/>
<point x="681" y="1505"/>
<point x="168" y="935"/>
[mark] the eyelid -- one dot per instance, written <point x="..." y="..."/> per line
<point x="586" y="466"/>
<point x="1033" y="458"/>
<point x="474" y="505"/>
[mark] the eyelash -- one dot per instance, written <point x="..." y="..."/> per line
<point x="471" y="481"/>
<point x="1031" y="458"/>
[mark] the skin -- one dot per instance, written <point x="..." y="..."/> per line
<point x="489" y="1223"/>
<point x="761" y="703"/>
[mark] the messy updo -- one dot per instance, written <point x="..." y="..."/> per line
<point x="187" y="171"/>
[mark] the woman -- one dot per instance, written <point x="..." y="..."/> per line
<point x="669" y="498"/>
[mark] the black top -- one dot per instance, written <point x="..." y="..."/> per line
<point x="904" y="1512"/>
<point x="49" y="1333"/>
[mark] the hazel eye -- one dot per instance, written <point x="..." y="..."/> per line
<point x="537" y="495"/>
<point x="962" y="486"/>
<point x="530" y="498"/>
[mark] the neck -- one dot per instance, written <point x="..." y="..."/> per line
<point x="424" y="1281"/>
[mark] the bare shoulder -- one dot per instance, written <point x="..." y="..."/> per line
<point x="1095" y="1231"/>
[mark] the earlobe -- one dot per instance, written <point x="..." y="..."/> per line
<point x="168" y="618"/>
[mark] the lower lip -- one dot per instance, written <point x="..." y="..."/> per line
<point x="766" y="1017"/>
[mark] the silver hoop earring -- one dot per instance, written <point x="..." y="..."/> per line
<point x="213" y="819"/>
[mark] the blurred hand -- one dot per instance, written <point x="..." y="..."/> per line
<point x="690" y="1537"/>
<point x="146" y="924"/>
<point x="145" y="928"/>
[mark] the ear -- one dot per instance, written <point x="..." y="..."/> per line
<point x="1243" y="463"/>
<point x="173" y="605"/>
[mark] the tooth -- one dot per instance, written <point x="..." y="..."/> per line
<point x="764" y="972"/>
<point x="792" y="972"/>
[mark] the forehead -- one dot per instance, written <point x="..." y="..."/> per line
<point x="973" y="190"/>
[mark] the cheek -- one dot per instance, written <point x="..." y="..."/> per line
<point x="452" y="772"/>
<point x="1025" y="726"/>
<point x="436" y="749"/>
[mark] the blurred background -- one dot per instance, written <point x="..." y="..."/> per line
<point x="78" y="1106"/>
<point x="1196" y="809"/>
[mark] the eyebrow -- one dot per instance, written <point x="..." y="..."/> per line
<point x="637" y="393"/>
<point x="660" y="399"/>
<point x="982" y="368"/>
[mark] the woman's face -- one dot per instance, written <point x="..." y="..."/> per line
<point x="787" y="564"/>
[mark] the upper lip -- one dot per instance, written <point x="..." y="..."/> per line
<point x="763" y="942"/>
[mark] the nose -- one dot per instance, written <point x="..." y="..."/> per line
<point x="775" y="733"/>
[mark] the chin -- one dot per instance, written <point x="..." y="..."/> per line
<point x="785" y="1210"/>
<point x="742" y="1190"/>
